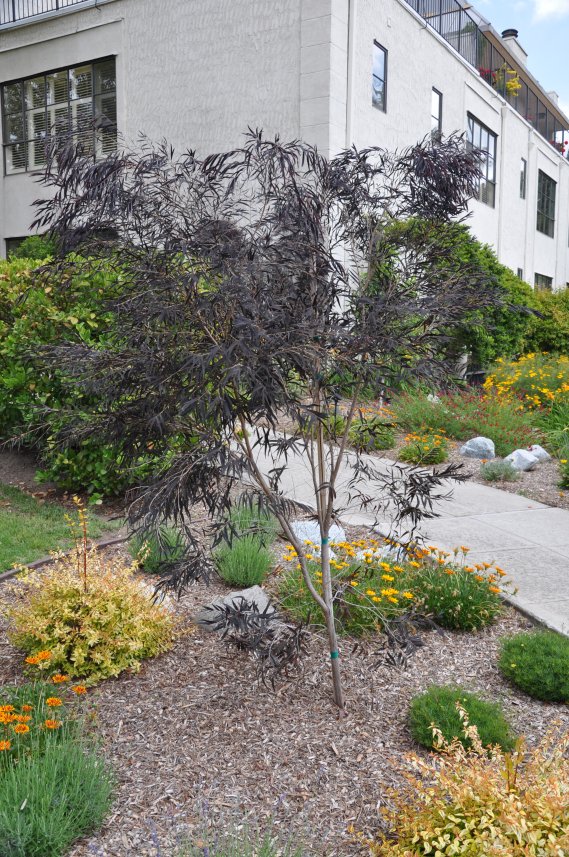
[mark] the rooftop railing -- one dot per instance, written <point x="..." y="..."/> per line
<point x="14" y="11"/>
<point x="461" y="29"/>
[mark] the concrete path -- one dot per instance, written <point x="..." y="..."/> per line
<point x="527" y="539"/>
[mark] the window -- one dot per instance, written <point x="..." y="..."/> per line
<point x="543" y="283"/>
<point x="480" y="137"/>
<point x="520" y="273"/>
<point x="436" y="112"/>
<point x="545" y="204"/>
<point x="69" y="100"/>
<point x="523" y="177"/>
<point x="379" y="80"/>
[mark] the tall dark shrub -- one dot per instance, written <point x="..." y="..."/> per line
<point x="253" y="279"/>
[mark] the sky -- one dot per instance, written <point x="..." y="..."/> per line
<point x="543" y="27"/>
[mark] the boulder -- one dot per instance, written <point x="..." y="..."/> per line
<point x="479" y="447"/>
<point x="309" y="530"/>
<point x="254" y="594"/>
<point x="522" y="459"/>
<point x="540" y="453"/>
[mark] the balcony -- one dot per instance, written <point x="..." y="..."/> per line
<point x="474" y="39"/>
<point x="14" y="12"/>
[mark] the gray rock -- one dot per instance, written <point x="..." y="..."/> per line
<point x="310" y="530"/>
<point x="432" y="397"/>
<point x="522" y="459"/>
<point x="254" y="594"/>
<point x="540" y="453"/>
<point x="479" y="447"/>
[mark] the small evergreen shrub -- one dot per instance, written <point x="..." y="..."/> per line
<point x="424" y="449"/>
<point x="499" y="471"/>
<point x="90" y="614"/>
<point x="153" y="551"/>
<point x="35" y="247"/>
<point x="245" y="562"/>
<point x="481" y="802"/>
<point x="437" y="706"/>
<point x="248" y="520"/>
<point x="371" y="433"/>
<point x="538" y="663"/>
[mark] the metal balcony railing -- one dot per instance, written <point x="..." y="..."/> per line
<point x="14" y="11"/>
<point x="461" y="28"/>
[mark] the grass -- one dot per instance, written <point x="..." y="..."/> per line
<point x="245" y="562"/>
<point x="538" y="663"/>
<point x="437" y="705"/>
<point x="155" y="550"/>
<point x="29" y="529"/>
<point x="49" y="801"/>
<point x="249" y="520"/>
<point x="242" y="844"/>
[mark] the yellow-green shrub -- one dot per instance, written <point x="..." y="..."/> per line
<point x="482" y="803"/>
<point x="91" y="614"/>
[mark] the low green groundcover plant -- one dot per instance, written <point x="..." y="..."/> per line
<point x="499" y="471"/>
<point x="538" y="663"/>
<point x="437" y="706"/>
<point x="153" y="550"/>
<point x="370" y="588"/>
<point x="424" y="449"/>
<point x="245" y="562"/>
<point x="54" y="785"/>
<point x="242" y="843"/>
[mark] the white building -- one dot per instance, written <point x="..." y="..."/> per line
<point x="335" y="72"/>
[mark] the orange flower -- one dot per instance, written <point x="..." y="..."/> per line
<point x="27" y="708"/>
<point x="495" y="589"/>
<point x="33" y="660"/>
<point x="45" y="655"/>
<point x="5" y="745"/>
<point x="22" y="718"/>
<point x="79" y="689"/>
<point x="7" y="708"/>
<point x="21" y="728"/>
<point x="58" y="678"/>
<point x="53" y="701"/>
<point x="52" y="724"/>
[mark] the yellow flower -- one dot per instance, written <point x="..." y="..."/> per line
<point x="387" y="577"/>
<point x="407" y="595"/>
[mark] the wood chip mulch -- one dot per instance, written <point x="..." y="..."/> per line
<point x="195" y="742"/>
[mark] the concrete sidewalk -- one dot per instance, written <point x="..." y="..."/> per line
<point x="527" y="539"/>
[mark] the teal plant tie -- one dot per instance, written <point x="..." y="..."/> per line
<point x="325" y="541"/>
<point x="335" y="654"/>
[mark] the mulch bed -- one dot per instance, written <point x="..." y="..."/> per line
<point x="194" y="740"/>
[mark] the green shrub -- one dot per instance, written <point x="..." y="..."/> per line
<point x="564" y="472"/>
<point x="152" y="551"/>
<point x="49" y="801"/>
<point x="437" y="706"/>
<point x="245" y="562"/>
<point x="34" y="247"/>
<point x="538" y="663"/>
<point x="371" y="433"/>
<point x="554" y="422"/>
<point x="499" y="471"/>
<point x="536" y="380"/>
<point x="549" y="331"/>
<point x="424" y="449"/>
<point x="468" y="414"/>
<point x="248" y="520"/>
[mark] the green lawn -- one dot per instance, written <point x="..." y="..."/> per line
<point x="30" y="529"/>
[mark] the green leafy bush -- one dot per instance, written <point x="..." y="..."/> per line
<point x="499" y="471"/>
<point x="437" y="706"/>
<point x="245" y="562"/>
<point x="34" y="247"/>
<point x="371" y="433"/>
<point x="538" y="663"/>
<point x="424" y="449"/>
<point x="153" y="550"/>
<point x="550" y="330"/>
<point x="465" y="415"/>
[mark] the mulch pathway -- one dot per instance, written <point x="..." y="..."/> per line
<point x="195" y="742"/>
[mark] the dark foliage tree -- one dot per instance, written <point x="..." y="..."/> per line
<point x="260" y="285"/>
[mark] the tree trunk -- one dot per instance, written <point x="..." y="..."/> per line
<point x="330" y="624"/>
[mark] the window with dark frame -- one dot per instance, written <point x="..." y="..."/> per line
<point x="436" y="112"/>
<point x="546" y="188"/>
<point x="379" y="77"/>
<point x="482" y="138"/>
<point x="80" y="100"/>
<point x="520" y="273"/>
<point x="523" y="178"/>
<point x="543" y="283"/>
